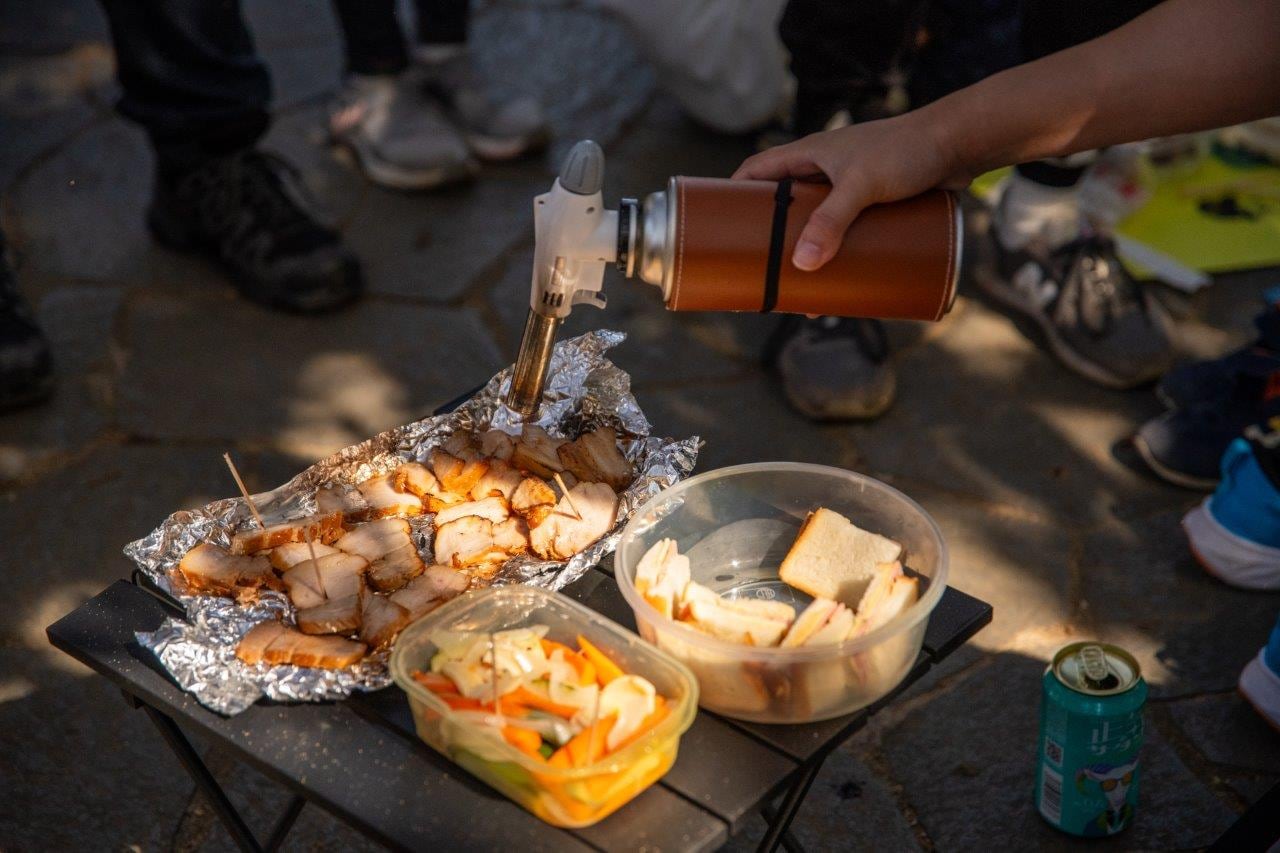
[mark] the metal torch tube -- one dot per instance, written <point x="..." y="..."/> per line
<point x="530" y="372"/>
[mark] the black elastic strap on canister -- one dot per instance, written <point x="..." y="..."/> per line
<point x="777" y="237"/>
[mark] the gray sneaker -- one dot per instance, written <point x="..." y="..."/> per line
<point x="1095" y="317"/>
<point x="399" y="137"/>
<point x="833" y="368"/>
<point x="495" y="126"/>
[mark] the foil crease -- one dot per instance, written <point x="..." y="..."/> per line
<point x="584" y="390"/>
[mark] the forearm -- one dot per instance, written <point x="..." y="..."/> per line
<point x="1186" y="65"/>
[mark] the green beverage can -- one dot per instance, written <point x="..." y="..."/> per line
<point x="1090" y="732"/>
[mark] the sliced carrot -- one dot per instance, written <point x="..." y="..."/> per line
<point x="606" y="670"/>
<point x="586" y="669"/>
<point x="549" y="646"/>
<point x="650" y="722"/>
<point x="560" y="758"/>
<point x="435" y="682"/>
<point x="587" y="745"/>
<point x="524" y="740"/>
<point x="460" y="703"/>
<point x="524" y="696"/>
<point x="586" y="675"/>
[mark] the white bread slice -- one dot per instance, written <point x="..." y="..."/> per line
<point x="661" y="577"/>
<point x="835" y="631"/>
<point x="902" y="594"/>
<point x="712" y="616"/>
<point x="834" y="558"/>
<point x="778" y="611"/>
<point x="810" y="620"/>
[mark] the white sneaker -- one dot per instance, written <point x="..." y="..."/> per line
<point x="1228" y="556"/>
<point x="1260" y="686"/>
<point x="399" y="137"/>
<point x="496" y="126"/>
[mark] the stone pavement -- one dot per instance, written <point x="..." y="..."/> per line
<point x="161" y="368"/>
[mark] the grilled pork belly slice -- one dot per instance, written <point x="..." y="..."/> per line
<point x="311" y="584"/>
<point x="511" y="536"/>
<point x="270" y="642"/>
<point x="394" y="570"/>
<point x="322" y="528"/>
<point x="336" y="616"/>
<point x="376" y="539"/>
<point x="383" y="499"/>
<point x="285" y="557"/>
<point x="535" y="452"/>
<point x="252" y="647"/>
<point x="429" y="590"/>
<point x="380" y="620"/>
<point x="342" y="498"/>
<point x="209" y="568"/>
<point x="466" y="542"/>
<point x="562" y="534"/>
<point x="531" y="494"/>
<point x="455" y="474"/>
<point x="594" y="457"/>
<point x="493" y="509"/>
<point x="417" y="479"/>
<point x="497" y="444"/>
<point x="501" y="480"/>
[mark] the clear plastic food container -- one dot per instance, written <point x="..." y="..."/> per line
<point x="736" y="525"/>
<point x="569" y="797"/>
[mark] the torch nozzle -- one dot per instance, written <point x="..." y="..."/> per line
<point x="529" y="375"/>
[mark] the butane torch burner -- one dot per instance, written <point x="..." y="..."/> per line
<point x="575" y="239"/>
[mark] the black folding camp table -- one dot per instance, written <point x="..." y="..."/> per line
<point x="361" y="759"/>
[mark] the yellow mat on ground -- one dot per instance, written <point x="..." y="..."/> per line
<point x="1217" y="218"/>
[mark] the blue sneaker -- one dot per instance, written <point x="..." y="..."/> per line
<point x="1235" y="532"/>
<point x="1210" y="381"/>
<point x="1260" y="681"/>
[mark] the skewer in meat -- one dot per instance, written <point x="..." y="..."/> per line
<point x="312" y="583"/>
<point x="209" y="568"/>
<point x="321" y="528"/>
<point x="285" y="557"/>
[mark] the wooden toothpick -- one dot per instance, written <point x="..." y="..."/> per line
<point x="252" y="507"/>
<point x="306" y="534"/>
<point x="568" y="497"/>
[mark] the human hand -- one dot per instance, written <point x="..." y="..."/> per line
<point x="870" y="163"/>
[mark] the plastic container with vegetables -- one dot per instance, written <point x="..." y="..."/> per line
<point x="555" y="706"/>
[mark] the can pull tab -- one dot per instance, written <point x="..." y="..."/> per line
<point x="1094" y="670"/>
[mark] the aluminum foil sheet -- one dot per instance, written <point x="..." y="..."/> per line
<point x="584" y="391"/>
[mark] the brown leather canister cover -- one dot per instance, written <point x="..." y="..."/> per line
<point x="898" y="260"/>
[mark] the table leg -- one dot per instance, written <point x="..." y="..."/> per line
<point x="788" y="839"/>
<point x="790" y="806"/>
<point x="208" y="785"/>
<point x="284" y="824"/>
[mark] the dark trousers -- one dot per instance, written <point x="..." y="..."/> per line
<point x="192" y="78"/>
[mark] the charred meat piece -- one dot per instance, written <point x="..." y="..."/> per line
<point x="342" y="498"/>
<point x="336" y="616"/>
<point x="536" y="452"/>
<point x="252" y="647"/>
<point x="457" y="475"/>
<point x="285" y="557"/>
<point x="501" y="480"/>
<point x="384" y="500"/>
<point x="417" y="479"/>
<point x="270" y="642"/>
<point x="429" y="590"/>
<point x="497" y="444"/>
<point x="311" y="584"/>
<point x="532" y="493"/>
<point x="467" y="542"/>
<point x="538" y="514"/>
<point x="594" y="457"/>
<point x="209" y="568"/>
<point x="376" y="539"/>
<point x="462" y="445"/>
<point x="394" y="570"/>
<point x="322" y="528"/>
<point x="562" y="534"/>
<point x="380" y="621"/>
<point x="494" y="509"/>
